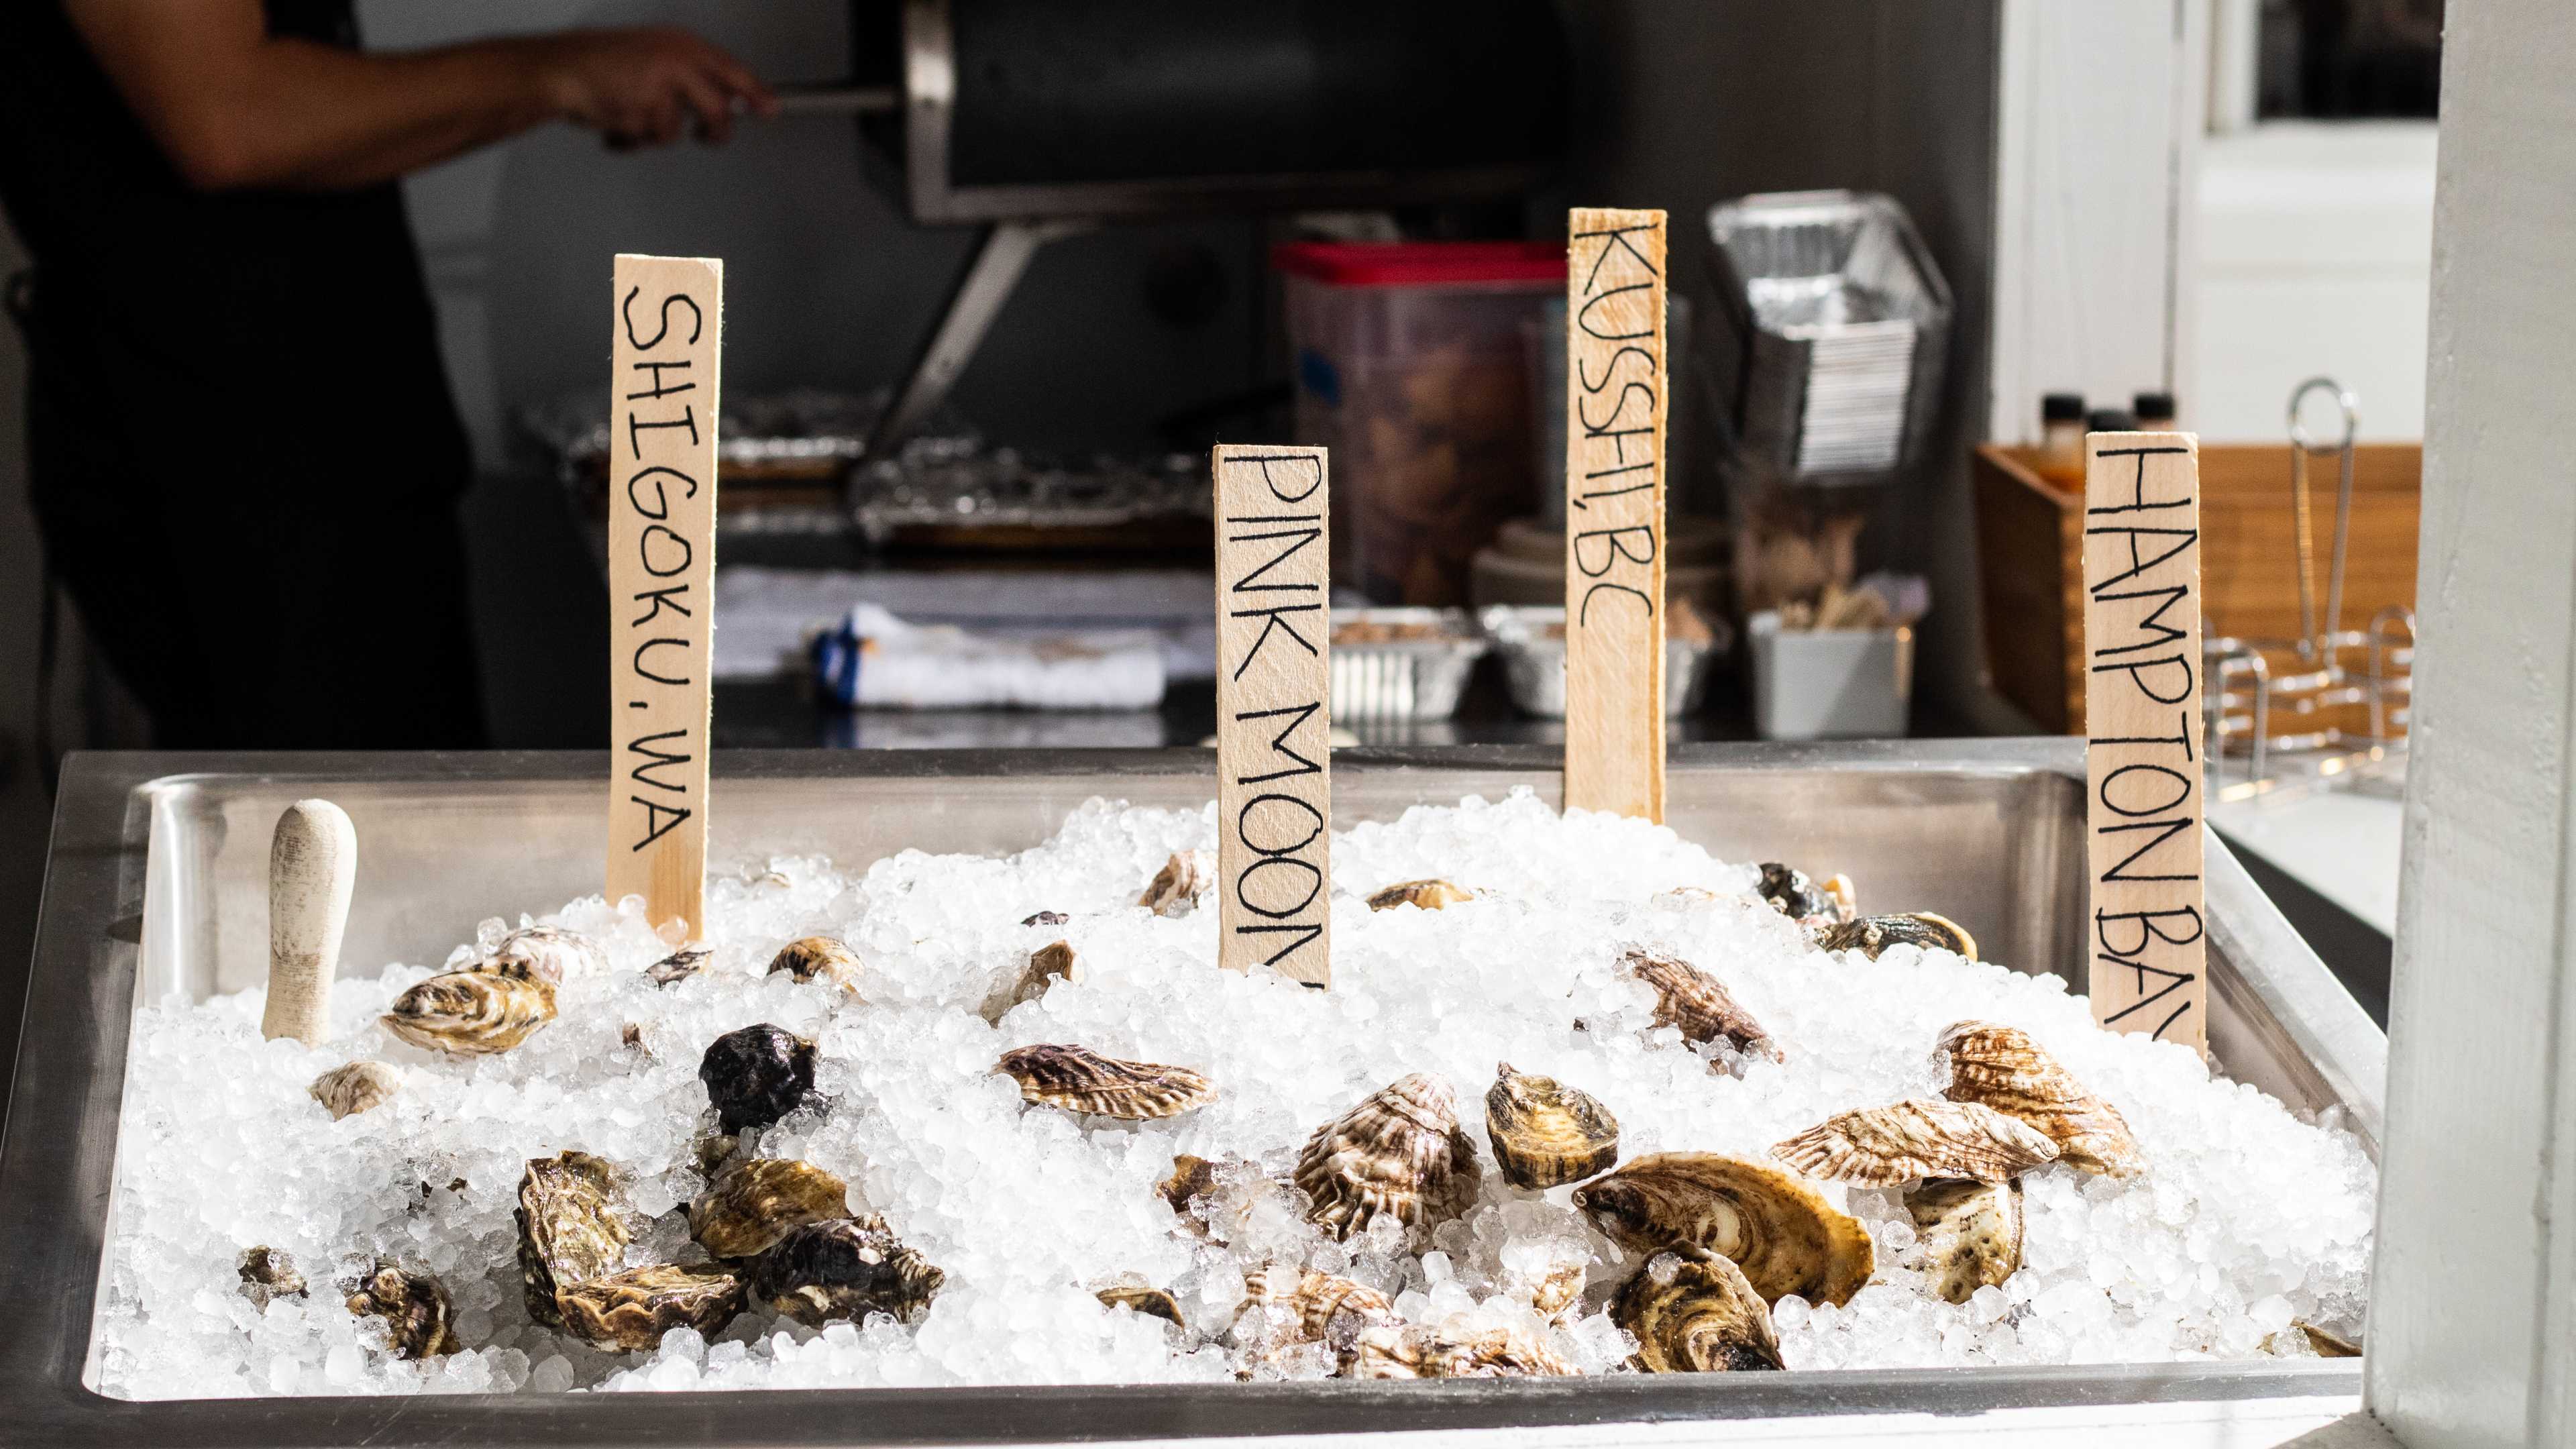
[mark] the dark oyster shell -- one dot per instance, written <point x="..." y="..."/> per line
<point x="1694" y="1312"/>
<point x="267" y="1275"/>
<point x="1700" y="1006"/>
<point x="1176" y="887"/>
<point x="413" y="1305"/>
<point x="844" y="1268"/>
<point x="1545" y="1133"/>
<point x="1078" y="1079"/>
<point x="1779" y="1230"/>
<point x="680" y="965"/>
<point x="1143" y="1299"/>
<point x="751" y="1205"/>
<point x="757" y="1075"/>
<point x="630" y="1311"/>
<point x="1871" y="935"/>
<point x="570" y="1229"/>
<point x="1399" y="1151"/>
<point x="825" y="958"/>
<point x="1807" y="902"/>
<point x="1047" y="918"/>
<point x="1046" y="966"/>
<point x="1190" y="1177"/>
<point x="1430" y="895"/>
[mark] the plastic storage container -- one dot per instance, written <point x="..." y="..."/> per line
<point x="1410" y="367"/>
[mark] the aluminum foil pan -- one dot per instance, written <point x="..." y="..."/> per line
<point x="946" y="484"/>
<point x="1825" y="360"/>
<point x="1531" y="639"/>
<point x="803" y="434"/>
<point x="1401" y="663"/>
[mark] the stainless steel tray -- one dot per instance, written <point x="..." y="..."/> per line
<point x="156" y="882"/>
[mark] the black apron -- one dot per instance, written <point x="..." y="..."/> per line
<point x="245" y="458"/>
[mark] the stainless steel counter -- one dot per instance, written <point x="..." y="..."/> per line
<point x="157" y="883"/>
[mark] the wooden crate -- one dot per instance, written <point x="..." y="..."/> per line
<point x="2031" y="564"/>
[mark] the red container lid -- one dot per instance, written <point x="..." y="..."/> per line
<point x="1422" y="264"/>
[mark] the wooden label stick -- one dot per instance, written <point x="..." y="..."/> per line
<point x="666" y="323"/>
<point x="2143" y="767"/>
<point x="1615" y="387"/>
<point x="1274" y="792"/>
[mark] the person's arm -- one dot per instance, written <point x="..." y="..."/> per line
<point x="233" y="108"/>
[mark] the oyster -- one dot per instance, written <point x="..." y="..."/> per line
<point x="1809" y="903"/>
<point x="753" y="1204"/>
<point x="825" y="957"/>
<point x="1315" y="1307"/>
<point x="570" y="1229"/>
<point x="756" y="1075"/>
<point x="1079" y="1079"/>
<point x="1779" y="1230"/>
<point x="1700" y="1005"/>
<point x="2326" y="1342"/>
<point x="1970" y="1234"/>
<point x="471" y="1012"/>
<point x="1871" y="935"/>
<point x="680" y="965"/>
<point x="1190" y="1177"/>
<point x="1559" y="1290"/>
<point x="1047" y="918"/>
<point x="1141" y="1298"/>
<point x="629" y="1312"/>
<point x="413" y="1305"/>
<point x="544" y="953"/>
<point x="1917" y="1138"/>
<point x="1176" y="887"/>
<point x="1695" y="1312"/>
<point x="1430" y="895"/>
<point x="267" y="1274"/>
<point x="1046" y="966"/>
<point x="355" y="1088"/>
<point x="844" y="1268"/>
<point x="1393" y="1351"/>
<point x="1545" y="1133"/>
<point x="1399" y="1151"/>
<point x="2002" y="1068"/>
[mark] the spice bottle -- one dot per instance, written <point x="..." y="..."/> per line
<point x="2155" y="412"/>
<point x="2061" y="438"/>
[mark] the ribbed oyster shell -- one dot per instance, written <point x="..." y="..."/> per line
<point x="267" y="1274"/>
<point x="1809" y="903"/>
<point x="825" y="958"/>
<point x="751" y="1205"/>
<point x="1410" y="1351"/>
<point x="1078" y="1079"/>
<point x="345" y="1091"/>
<point x="471" y="1012"/>
<point x="680" y="965"/>
<point x="545" y="953"/>
<point x="1313" y="1307"/>
<point x="1046" y="918"/>
<point x="756" y="1075"/>
<point x="570" y="1229"/>
<point x="1430" y="895"/>
<point x="1871" y="935"/>
<point x="1399" y="1151"/>
<point x="1700" y="1005"/>
<point x="630" y="1311"/>
<point x="1176" y="887"/>
<point x="1779" y="1230"/>
<point x="1046" y="966"/>
<point x="413" y="1305"/>
<point x="1142" y="1298"/>
<point x="1545" y="1133"/>
<point x="1968" y="1234"/>
<point x="1695" y="1312"/>
<point x="2001" y="1067"/>
<point x="1917" y="1138"/>
<point x="844" y="1268"/>
<point x="1191" y="1176"/>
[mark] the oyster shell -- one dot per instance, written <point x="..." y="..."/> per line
<point x="1430" y="895"/>
<point x="680" y="965"/>
<point x="1700" y="1005"/>
<point x="2001" y="1067"/>
<point x="1141" y="1298"/>
<point x="1399" y="1151"/>
<point x="570" y="1229"/>
<point x="1046" y="966"/>
<point x="1047" y="918"/>
<point x="1809" y="903"/>
<point x="1410" y="1351"/>
<point x="1315" y="1307"/>
<point x="1176" y="887"/>
<point x="1917" y="1138"/>
<point x="267" y="1274"/>
<point x="844" y="1268"/>
<point x="1871" y="935"/>
<point x="544" y="953"/>
<point x="354" y="1088"/>
<point x="1970" y="1234"/>
<point x="1779" y="1230"/>
<point x="1078" y="1079"/>
<point x="753" y="1204"/>
<point x="471" y="1012"/>
<point x="827" y="958"/>
<point x="1696" y="1312"/>
<point x="1545" y="1133"/>
<point x="1190" y="1177"/>
<point x="2326" y="1342"/>
<point x="629" y="1312"/>
<point x="413" y="1305"/>
<point x="756" y="1075"/>
<point x="1559" y="1290"/>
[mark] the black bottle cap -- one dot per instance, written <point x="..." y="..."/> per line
<point x="2155" y="407"/>
<point x="2109" y="420"/>
<point x="2062" y="407"/>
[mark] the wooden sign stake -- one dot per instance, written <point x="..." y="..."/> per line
<point x="2144" y="772"/>
<point x="1274" y="793"/>
<point x="663" y="360"/>
<point x="1615" y="398"/>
